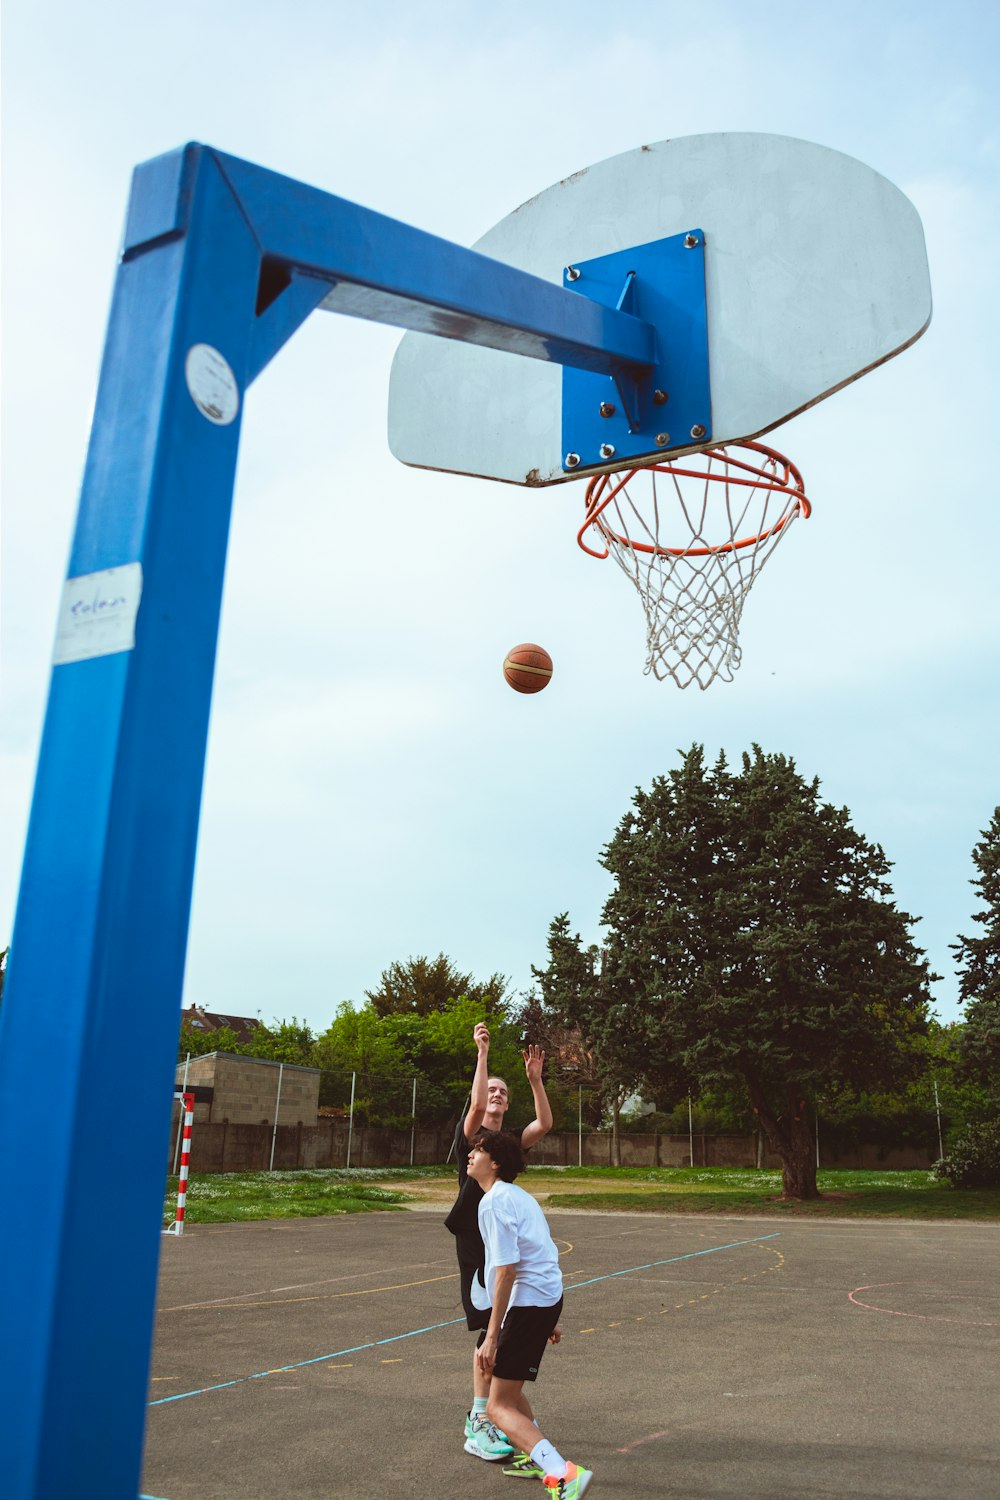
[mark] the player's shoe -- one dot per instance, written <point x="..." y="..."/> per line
<point x="484" y="1441"/>
<point x="572" y="1484"/>
<point x="523" y="1467"/>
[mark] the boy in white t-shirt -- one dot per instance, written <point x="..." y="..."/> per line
<point x="523" y="1293"/>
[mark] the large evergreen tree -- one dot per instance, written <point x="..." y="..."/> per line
<point x="752" y="939"/>
<point x="979" y="965"/>
<point x="423" y="985"/>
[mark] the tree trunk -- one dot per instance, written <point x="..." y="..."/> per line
<point x="798" y="1163"/>
<point x="791" y="1137"/>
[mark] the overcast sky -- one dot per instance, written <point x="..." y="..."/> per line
<point x="373" y="789"/>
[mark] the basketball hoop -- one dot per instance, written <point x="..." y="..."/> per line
<point x="736" y="503"/>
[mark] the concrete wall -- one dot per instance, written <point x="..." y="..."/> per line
<point x="234" y="1146"/>
<point x="245" y="1090"/>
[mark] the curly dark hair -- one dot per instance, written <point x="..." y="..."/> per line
<point x="505" y="1150"/>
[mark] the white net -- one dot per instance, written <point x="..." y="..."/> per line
<point x="693" y="536"/>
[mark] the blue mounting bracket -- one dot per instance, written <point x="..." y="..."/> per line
<point x="668" y="406"/>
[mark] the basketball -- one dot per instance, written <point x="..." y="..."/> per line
<point x="527" y="668"/>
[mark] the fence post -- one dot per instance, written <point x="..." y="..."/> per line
<point x="277" y="1106"/>
<point x="413" y="1121"/>
<point x="350" y="1119"/>
<point x="690" y="1134"/>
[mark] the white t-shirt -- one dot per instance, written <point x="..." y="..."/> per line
<point x="515" y="1233"/>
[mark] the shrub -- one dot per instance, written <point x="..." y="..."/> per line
<point x="973" y="1158"/>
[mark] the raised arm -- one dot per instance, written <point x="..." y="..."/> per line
<point x="534" y="1060"/>
<point x="480" y="1081"/>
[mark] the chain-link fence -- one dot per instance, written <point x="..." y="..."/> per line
<point x="254" y="1114"/>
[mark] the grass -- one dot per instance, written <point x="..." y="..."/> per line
<point x="845" y="1194"/>
<point x="234" y="1197"/>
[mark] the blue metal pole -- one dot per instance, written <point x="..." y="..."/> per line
<point x="97" y="953"/>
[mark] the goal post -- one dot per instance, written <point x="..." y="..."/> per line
<point x="187" y="1113"/>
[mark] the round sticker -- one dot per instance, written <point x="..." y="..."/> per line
<point x="212" y="384"/>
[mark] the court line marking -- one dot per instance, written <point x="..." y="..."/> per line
<point x="449" y="1323"/>
<point x="302" y="1363"/>
<point x="367" y="1291"/>
<point x="639" y="1441"/>
<point x="670" y="1259"/>
<point x="301" y="1286"/>
<point x="894" y="1312"/>
<point x="242" y="1302"/>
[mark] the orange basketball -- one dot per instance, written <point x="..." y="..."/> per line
<point x="527" y="668"/>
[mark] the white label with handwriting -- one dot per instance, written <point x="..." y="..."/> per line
<point x="97" y="614"/>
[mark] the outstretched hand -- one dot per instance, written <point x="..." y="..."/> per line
<point x="481" y="1036"/>
<point x="534" y="1061"/>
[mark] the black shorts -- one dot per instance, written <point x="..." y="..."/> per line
<point x="522" y="1341"/>
<point x="474" y="1317"/>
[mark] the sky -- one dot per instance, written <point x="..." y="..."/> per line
<point x="373" y="790"/>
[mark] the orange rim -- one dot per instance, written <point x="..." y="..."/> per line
<point x="604" y="488"/>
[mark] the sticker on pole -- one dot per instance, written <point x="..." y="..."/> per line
<point x="212" y="384"/>
<point x="97" y="614"/>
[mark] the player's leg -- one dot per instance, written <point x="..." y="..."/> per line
<point x="481" y="1438"/>
<point x="524" y="1337"/>
<point x="508" y="1407"/>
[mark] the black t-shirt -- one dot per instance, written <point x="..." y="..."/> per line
<point x="463" y="1220"/>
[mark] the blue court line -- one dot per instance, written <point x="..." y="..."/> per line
<point x="302" y="1363"/>
<point x="691" y="1254"/>
<point x="431" y="1327"/>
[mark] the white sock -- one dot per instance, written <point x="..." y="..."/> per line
<point x="479" y="1406"/>
<point x="549" y="1459"/>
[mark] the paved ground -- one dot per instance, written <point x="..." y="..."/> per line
<point x="702" y="1358"/>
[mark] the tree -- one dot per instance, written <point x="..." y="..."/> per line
<point x="283" y="1041"/>
<point x="752" y="939"/>
<point x="388" y="1052"/>
<point x="578" y="995"/>
<point x="422" y="985"/>
<point x="979" y="965"/>
<point x="573" y="1081"/>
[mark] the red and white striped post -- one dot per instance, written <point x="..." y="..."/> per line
<point x="177" y="1227"/>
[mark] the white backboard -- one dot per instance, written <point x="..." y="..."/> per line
<point x="815" y="272"/>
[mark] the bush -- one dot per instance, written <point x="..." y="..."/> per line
<point x="973" y="1158"/>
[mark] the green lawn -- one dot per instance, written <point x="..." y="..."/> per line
<point x="905" y="1195"/>
<point x="233" y="1197"/>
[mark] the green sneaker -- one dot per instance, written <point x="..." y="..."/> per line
<point x="572" y="1484"/>
<point x="523" y="1467"/>
<point x="485" y="1441"/>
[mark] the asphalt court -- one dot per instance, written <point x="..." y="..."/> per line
<point x="701" y="1357"/>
